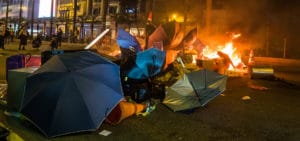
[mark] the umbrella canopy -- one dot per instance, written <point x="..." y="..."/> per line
<point x="127" y="41"/>
<point x="170" y="33"/>
<point x="72" y="92"/>
<point x="148" y="63"/>
<point x="195" y="89"/>
<point x="159" y="35"/>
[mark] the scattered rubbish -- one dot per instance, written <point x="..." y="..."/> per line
<point x="105" y="133"/>
<point x="150" y="107"/>
<point x="246" y="98"/>
<point x="257" y="87"/>
<point x="227" y="60"/>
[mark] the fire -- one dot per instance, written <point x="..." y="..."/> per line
<point x="227" y="49"/>
<point x="234" y="36"/>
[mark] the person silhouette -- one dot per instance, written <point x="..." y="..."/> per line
<point x="23" y="35"/>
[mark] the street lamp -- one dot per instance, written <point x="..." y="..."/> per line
<point x="51" y="18"/>
<point x="32" y="17"/>
<point x="7" y="6"/>
<point x="74" y="16"/>
<point x="174" y="16"/>
<point x="20" y="12"/>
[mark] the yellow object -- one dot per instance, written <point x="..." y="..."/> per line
<point x="12" y="135"/>
<point x="265" y="70"/>
<point x="123" y="110"/>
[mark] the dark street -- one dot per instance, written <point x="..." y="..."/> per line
<point x="186" y="70"/>
<point x="271" y="114"/>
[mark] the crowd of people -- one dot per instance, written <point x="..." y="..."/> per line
<point x="7" y="35"/>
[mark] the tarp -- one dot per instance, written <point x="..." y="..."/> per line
<point x="194" y="89"/>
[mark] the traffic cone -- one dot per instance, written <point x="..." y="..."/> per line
<point x="251" y="61"/>
<point x="123" y="110"/>
<point x="150" y="16"/>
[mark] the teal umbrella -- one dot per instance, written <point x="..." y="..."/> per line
<point x="147" y="64"/>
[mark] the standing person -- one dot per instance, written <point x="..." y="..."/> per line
<point x="23" y="35"/>
<point x="59" y="36"/>
<point x="71" y="36"/>
<point x="54" y="43"/>
<point x="7" y="36"/>
<point x="2" y="35"/>
<point x="76" y="36"/>
<point x="12" y="33"/>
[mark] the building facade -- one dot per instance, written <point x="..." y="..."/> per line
<point x="85" y="18"/>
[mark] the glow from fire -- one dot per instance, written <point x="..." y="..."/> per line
<point x="228" y="49"/>
<point x="234" y="36"/>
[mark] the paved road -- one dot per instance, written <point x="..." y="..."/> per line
<point x="13" y="47"/>
<point x="271" y="115"/>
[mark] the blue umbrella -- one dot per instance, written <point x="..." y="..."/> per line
<point x="148" y="63"/>
<point x="72" y="92"/>
<point x="127" y="41"/>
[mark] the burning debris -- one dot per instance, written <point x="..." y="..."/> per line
<point x="225" y="59"/>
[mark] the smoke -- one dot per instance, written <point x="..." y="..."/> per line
<point x="246" y="16"/>
<point x="264" y="23"/>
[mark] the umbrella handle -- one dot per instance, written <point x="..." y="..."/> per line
<point x="152" y="68"/>
<point x="96" y="40"/>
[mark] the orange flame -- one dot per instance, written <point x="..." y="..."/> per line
<point x="228" y="49"/>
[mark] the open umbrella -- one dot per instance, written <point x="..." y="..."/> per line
<point x="195" y="89"/>
<point x="147" y="64"/>
<point x="72" y="92"/>
<point x="159" y="35"/>
<point x="170" y="33"/>
<point x="126" y="41"/>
